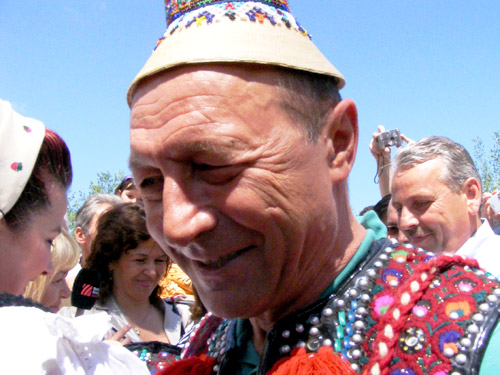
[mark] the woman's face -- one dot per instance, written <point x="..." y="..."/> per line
<point x="25" y="253"/>
<point x="130" y="195"/>
<point x="137" y="273"/>
<point x="57" y="290"/>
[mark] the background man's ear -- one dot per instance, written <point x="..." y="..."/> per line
<point x="80" y="235"/>
<point x="342" y="133"/>
<point x="473" y="193"/>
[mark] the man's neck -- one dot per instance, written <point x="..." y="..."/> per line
<point x="313" y="289"/>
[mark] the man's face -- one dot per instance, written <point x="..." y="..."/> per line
<point x="430" y="214"/>
<point x="233" y="190"/>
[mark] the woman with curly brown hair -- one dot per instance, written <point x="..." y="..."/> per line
<point x="130" y="265"/>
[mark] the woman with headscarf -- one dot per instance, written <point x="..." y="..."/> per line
<point x="35" y="173"/>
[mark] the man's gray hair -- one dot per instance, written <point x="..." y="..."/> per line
<point x="307" y="98"/>
<point x="458" y="164"/>
<point x="90" y="207"/>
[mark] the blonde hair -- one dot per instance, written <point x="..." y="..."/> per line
<point x="64" y="256"/>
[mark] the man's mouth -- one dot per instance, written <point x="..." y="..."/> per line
<point x="222" y="261"/>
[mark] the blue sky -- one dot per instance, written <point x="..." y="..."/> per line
<point x="425" y="67"/>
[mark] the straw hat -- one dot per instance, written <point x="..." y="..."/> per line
<point x="20" y="142"/>
<point x="259" y="32"/>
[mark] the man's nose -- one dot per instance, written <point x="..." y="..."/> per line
<point x="407" y="220"/>
<point x="185" y="215"/>
<point x="402" y="237"/>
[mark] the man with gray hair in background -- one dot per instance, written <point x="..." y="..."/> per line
<point x="437" y="192"/>
<point x="86" y="220"/>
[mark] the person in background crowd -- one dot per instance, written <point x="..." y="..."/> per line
<point x="242" y="146"/>
<point x="127" y="191"/>
<point x="381" y="207"/>
<point x="176" y="283"/>
<point x="437" y="193"/>
<point x="389" y="216"/>
<point x="130" y="265"/>
<point x="85" y="227"/>
<point x="488" y="213"/>
<point x="50" y="290"/>
<point x="86" y="220"/>
<point x="35" y="173"/>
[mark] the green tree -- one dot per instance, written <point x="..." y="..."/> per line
<point x="106" y="182"/>
<point x="488" y="162"/>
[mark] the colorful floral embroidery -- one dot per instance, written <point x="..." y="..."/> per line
<point x="182" y="14"/>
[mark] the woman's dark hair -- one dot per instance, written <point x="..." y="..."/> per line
<point x="53" y="164"/>
<point x="381" y="208"/>
<point x="126" y="184"/>
<point x="120" y="229"/>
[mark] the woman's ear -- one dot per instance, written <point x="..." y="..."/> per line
<point x="342" y="135"/>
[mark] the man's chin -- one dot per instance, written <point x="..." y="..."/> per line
<point x="425" y="242"/>
<point x="229" y="305"/>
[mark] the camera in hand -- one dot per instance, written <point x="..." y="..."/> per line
<point x="389" y="138"/>
<point x="495" y="203"/>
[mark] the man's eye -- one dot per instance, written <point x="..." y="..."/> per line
<point x="215" y="174"/>
<point x="421" y="205"/>
<point x="392" y="230"/>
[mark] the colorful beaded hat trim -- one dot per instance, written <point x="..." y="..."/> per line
<point x="177" y="8"/>
<point x="217" y="11"/>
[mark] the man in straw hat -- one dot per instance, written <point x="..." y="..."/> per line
<point x="241" y="147"/>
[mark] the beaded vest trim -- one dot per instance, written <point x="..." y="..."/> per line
<point x="403" y="312"/>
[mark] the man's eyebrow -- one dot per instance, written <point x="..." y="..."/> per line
<point x="192" y="148"/>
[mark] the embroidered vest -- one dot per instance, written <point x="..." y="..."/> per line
<point x="403" y="312"/>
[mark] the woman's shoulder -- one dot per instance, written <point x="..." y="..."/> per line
<point x="72" y="311"/>
<point x="7" y="299"/>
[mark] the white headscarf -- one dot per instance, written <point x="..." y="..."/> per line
<point x="20" y="142"/>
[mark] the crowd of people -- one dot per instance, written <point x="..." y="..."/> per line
<point x="233" y="248"/>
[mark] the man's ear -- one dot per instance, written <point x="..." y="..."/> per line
<point x="473" y="194"/>
<point x="342" y="135"/>
<point x="80" y="235"/>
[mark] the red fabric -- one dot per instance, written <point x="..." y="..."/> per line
<point x="190" y="366"/>
<point x="324" y="362"/>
